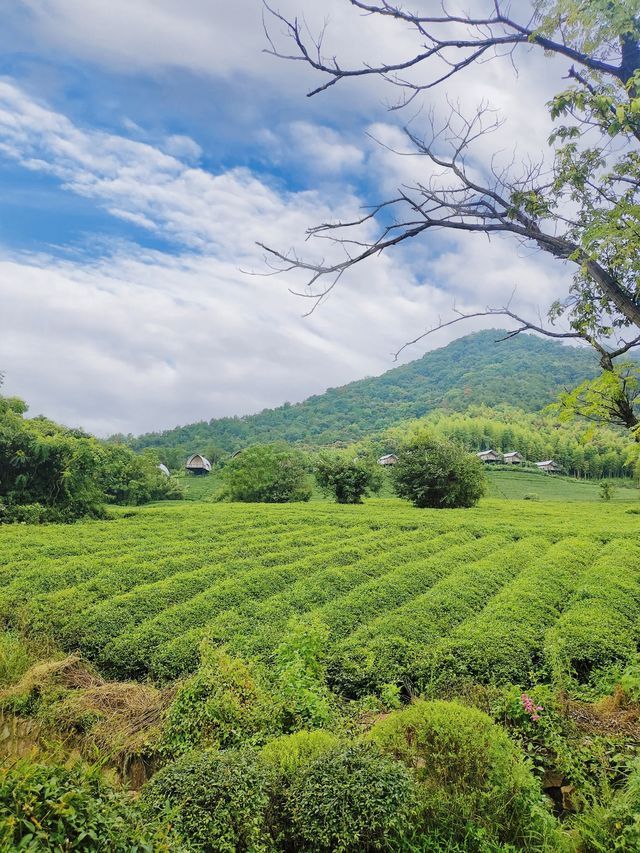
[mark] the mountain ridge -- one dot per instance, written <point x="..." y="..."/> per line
<point x="526" y="371"/>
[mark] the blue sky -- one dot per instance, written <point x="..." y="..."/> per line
<point x="146" y="145"/>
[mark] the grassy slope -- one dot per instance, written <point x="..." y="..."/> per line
<point x="510" y="485"/>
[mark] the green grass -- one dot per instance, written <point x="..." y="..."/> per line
<point x="514" y="485"/>
<point x="404" y="593"/>
<point x="509" y="484"/>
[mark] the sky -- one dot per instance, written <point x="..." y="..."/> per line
<point x="147" y="146"/>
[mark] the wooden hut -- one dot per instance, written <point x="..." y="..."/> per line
<point x="548" y="465"/>
<point x="388" y="459"/>
<point x="198" y="464"/>
<point x="489" y="456"/>
<point x="513" y="458"/>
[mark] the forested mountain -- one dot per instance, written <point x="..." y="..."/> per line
<point x="526" y="372"/>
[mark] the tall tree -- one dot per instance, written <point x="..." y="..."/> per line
<point x="582" y="208"/>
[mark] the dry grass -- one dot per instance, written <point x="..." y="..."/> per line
<point x="613" y="715"/>
<point x="112" y="721"/>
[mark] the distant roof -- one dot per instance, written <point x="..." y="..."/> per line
<point x="512" y="453"/>
<point x="197" y="460"/>
<point x="162" y="467"/>
<point x="487" y="453"/>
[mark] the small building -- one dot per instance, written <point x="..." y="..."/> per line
<point x="198" y="464"/>
<point x="388" y="459"/>
<point x="513" y="458"/>
<point x="490" y="456"/>
<point x="548" y="465"/>
<point x="164" y="470"/>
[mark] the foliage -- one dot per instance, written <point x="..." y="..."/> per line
<point x="405" y="596"/>
<point x="347" y="477"/>
<point x="582" y="449"/>
<point x="614" y="825"/>
<point x="288" y="755"/>
<point x="15" y="658"/>
<point x="439" y="474"/>
<point x="299" y="676"/>
<point x="220" y="706"/>
<point x="469" y="772"/>
<point x="51" y="473"/>
<point x="472" y="370"/>
<point x="131" y="479"/>
<point x="611" y="398"/>
<point x="350" y="798"/>
<point x="48" y="807"/>
<point x="267" y="474"/>
<point x="219" y="800"/>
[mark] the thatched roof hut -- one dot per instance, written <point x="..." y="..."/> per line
<point x="548" y="465"/>
<point x="513" y="458"/>
<point x="489" y="456"/>
<point x="198" y="464"/>
<point x="388" y="459"/>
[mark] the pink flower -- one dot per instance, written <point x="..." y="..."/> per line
<point x="530" y="707"/>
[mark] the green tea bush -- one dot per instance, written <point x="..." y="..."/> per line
<point x="268" y="473"/>
<point x="218" y="799"/>
<point x="48" y="807"/>
<point x="288" y="754"/>
<point x="220" y="706"/>
<point x="470" y="773"/>
<point x="434" y="472"/>
<point x="503" y="643"/>
<point x="15" y="658"/>
<point x="599" y="628"/>
<point x="350" y="798"/>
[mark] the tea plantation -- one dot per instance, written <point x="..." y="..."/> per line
<point x="317" y="677"/>
<point x="485" y="595"/>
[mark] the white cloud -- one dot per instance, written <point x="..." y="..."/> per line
<point x="145" y="340"/>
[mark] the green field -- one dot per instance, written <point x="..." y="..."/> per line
<point x="486" y="594"/>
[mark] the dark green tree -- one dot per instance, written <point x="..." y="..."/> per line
<point x="436" y="473"/>
<point x="268" y="473"/>
<point x="347" y="477"/>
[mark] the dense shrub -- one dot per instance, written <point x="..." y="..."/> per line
<point x="49" y="473"/>
<point x="269" y="473"/>
<point x="46" y="807"/>
<point x="434" y="472"/>
<point x="219" y="800"/>
<point x="220" y="706"/>
<point x="350" y="798"/>
<point x="287" y="755"/>
<point x="131" y="479"/>
<point x="347" y="477"/>
<point x="471" y="775"/>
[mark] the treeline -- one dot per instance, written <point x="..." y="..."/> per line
<point x="581" y="450"/>
<point x="51" y="473"/>
<point x="526" y="372"/>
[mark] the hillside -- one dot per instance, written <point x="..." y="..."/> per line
<point x="526" y="372"/>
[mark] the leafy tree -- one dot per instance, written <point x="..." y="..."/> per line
<point x="580" y="205"/>
<point x="436" y="473"/>
<point x="347" y="477"/>
<point x="51" y="473"/>
<point x="269" y="473"/>
<point x="129" y="478"/>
